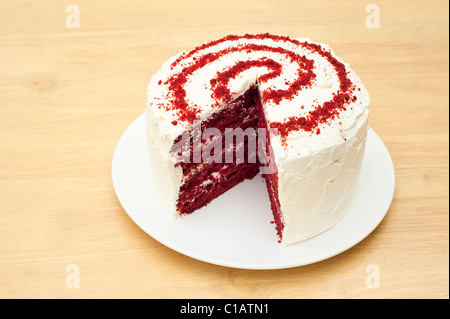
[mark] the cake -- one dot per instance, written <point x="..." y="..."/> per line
<point x="288" y="109"/>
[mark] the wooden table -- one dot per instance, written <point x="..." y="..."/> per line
<point x="67" y="94"/>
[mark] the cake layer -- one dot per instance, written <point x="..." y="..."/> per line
<point x="202" y="182"/>
<point x="210" y="187"/>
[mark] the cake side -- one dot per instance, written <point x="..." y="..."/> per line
<point x="319" y="169"/>
<point x="317" y="190"/>
<point x="162" y="164"/>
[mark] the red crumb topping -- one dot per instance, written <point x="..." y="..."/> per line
<point x="219" y="84"/>
<point x="310" y="122"/>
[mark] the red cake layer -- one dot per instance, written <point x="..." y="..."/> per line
<point x="205" y="181"/>
<point x="271" y="179"/>
<point x="198" y="194"/>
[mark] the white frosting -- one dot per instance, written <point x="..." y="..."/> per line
<point x="318" y="173"/>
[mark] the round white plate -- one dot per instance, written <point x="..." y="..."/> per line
<point x="234" y="230"/>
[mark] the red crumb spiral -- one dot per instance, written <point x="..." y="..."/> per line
<point x="187" y="112"/>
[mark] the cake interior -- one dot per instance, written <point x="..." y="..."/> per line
<point x="204" y="181"/>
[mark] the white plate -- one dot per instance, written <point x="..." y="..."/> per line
<point x="234" y="230"/>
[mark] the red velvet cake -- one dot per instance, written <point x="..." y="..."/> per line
<point x="242" y="105"/>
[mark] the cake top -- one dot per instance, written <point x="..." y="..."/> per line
<point x="305" y="89"/>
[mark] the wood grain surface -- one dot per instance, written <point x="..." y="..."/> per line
<point x="67" y="95"/>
